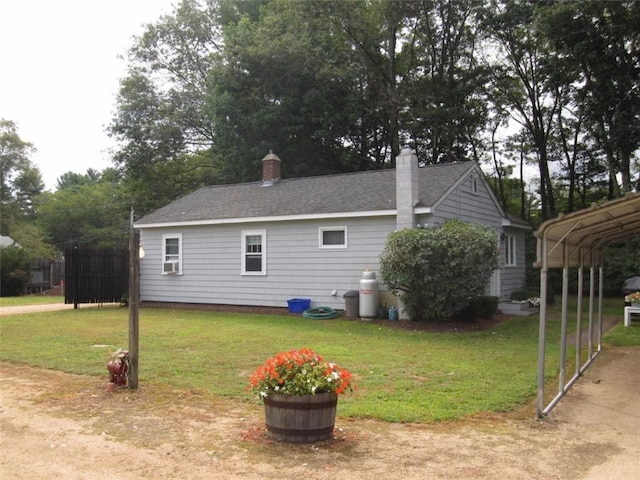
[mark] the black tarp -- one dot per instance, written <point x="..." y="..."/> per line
<point x="631" y="285"/>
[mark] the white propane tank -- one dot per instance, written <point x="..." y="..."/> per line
<point x="369" y="295"/>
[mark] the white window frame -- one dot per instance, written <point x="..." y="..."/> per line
<point x="321" y="231"/>
<point x="510" y="251"/>
<point x="171" y="258"/>
<point x="244" y="253"/>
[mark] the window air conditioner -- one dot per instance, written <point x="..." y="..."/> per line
<point x="170" y="267"/>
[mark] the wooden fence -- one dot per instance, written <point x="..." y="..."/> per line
<point x="95" y="275"/>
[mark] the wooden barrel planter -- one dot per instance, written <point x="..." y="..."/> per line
<point x="300" y="418"/>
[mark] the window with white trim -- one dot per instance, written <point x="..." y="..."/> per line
<point x="474" y="185"/>
<point x="510" y="251"/>
<point x="172" y="253"/>
<point x="254" y="252"/>
<point x="332" y="237"/>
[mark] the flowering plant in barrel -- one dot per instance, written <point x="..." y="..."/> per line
<point x="300" y="393"/>
<point x="299" y="372"/>
<point x="632" y="297"/>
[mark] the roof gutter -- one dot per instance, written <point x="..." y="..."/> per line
<point x="281" y="218"/>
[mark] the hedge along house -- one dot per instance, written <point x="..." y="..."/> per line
<point x="262" y="243"/>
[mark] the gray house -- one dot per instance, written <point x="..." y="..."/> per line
<point x="262" y="243"/>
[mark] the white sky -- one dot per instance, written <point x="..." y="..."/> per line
<point x="61" y="71"/>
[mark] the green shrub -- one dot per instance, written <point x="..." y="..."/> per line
<point x="439" y="267"/>
<point x="486" y="306"/>
<point x="15" y="271"/>
<point x="520" y="295"/>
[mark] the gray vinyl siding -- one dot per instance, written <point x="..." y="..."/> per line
<point x="296" y="266"/>
<point x="512" y="277"/>
<point x="462" y="203"/>
<point x="467" y="206"/>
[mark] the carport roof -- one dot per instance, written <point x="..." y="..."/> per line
<point x="592" y="229"/>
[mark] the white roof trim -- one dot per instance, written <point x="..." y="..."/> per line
<point x="278" y="218"/>
<point x="508" y="223"/>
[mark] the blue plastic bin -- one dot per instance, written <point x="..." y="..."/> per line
<point x="298" y="305"/>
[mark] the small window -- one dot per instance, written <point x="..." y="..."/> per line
<point x="510" y="251"/>
<point x="474" y="185"/>
<point x="333" y="237"/>
<point x="172" y="253"/>
<point x="254" y="252"/>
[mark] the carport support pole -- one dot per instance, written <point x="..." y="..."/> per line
<point x="134" y="303"/>
<point x="542" y="328"/>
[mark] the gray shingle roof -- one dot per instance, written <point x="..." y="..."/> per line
<point x="372" y="190"/>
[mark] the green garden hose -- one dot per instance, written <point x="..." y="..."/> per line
<point x="320" y="313"/>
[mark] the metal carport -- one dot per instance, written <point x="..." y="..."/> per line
<point x="577" y="240"/>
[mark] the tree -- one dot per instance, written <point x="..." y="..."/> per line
<point x="20" y="181"/>
<point x="439" y="269"/>
<point x="161" y="122"/>
<point x="602" y="41"/>
<point x="85" y="214"/>
<point x="530" y="85"/>
<point x="284" y="85"/>
<point x="73" y="179"/>
<point x="14" y="273"/>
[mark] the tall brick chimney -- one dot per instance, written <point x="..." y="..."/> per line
<point x="270" y="169"/>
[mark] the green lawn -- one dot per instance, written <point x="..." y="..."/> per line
<point x="402" y="376"/>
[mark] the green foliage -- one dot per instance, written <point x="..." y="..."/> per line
<point x="16" y="260"/>
<point x="85" y="213"/>
<point x="621" y="262"/>
<point x="20" y="181"/>
<point x="439" y="269"/>
<point x="15" y="271"/>
<point x="32" y="240"/>
<point x="338" y="86"/>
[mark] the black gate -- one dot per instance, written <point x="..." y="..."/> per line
<point x="95" y="275"/>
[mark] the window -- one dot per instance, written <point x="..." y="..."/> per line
<point x="172" y="253"/>
<point x="254" y="252"/>
<point x="510" y="251"/>
<point x="332" y="237"/>
<point x="474" y="185"/>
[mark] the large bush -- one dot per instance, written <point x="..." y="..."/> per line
<point x="439" y="269"/>
<point x="15" y="271"/>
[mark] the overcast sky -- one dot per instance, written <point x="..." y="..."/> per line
<point x="61" y="71"/>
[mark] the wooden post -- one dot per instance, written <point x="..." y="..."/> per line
<point x="134" y="303"/>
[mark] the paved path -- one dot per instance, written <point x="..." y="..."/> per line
<point x="47" y="307"/>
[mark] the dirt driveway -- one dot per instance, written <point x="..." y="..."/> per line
<point x="55" y="425"/>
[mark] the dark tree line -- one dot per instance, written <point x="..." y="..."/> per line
<point x="341" y="86"/>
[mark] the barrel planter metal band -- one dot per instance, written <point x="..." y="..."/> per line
<point x="300" y="418"/>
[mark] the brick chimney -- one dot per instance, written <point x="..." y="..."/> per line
<point x="270" y="169"/>
<point x="406" y="188"/>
